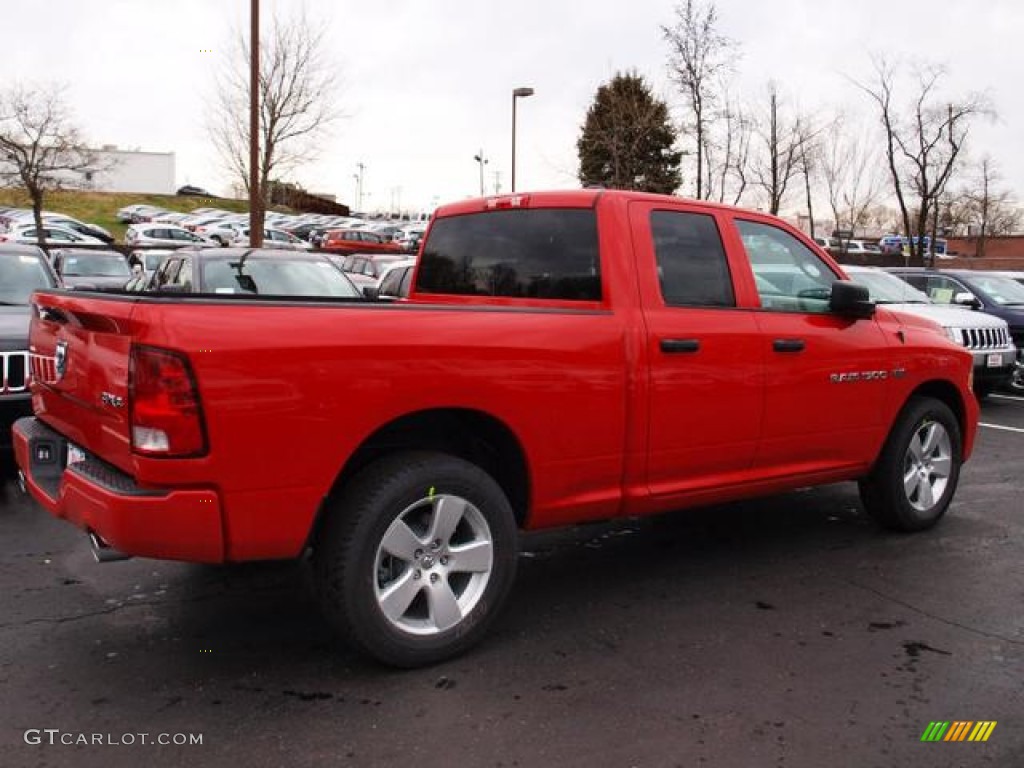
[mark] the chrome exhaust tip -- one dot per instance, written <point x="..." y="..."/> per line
<point x="103" y="552"/>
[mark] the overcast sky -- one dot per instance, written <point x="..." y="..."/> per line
<point x="426" y="84"/>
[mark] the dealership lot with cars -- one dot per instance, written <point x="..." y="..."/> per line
<point x="788" y="631"/>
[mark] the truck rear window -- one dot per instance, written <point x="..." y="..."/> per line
<point x="544" y="253"/>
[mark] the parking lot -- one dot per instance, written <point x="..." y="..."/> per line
<point x="783" y="632"/>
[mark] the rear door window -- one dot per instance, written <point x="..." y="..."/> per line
<point x="543" y="253"/>
<point x="692" y="268"/>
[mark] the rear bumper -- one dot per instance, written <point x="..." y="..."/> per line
<point x="98" y="498"/>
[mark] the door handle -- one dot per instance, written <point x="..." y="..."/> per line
<point x="677" y="346"/>
<point x="788" y="345"/>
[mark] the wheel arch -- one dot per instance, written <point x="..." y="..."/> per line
<point x="948" y="393"/>
<point x="472" y="435"/>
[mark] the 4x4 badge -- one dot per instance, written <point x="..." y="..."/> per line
<point x="60" y="359"/>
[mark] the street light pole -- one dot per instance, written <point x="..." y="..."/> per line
<point x="482" y="161"/>
<point x="517" y="93"/>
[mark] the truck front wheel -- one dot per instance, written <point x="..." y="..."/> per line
<point x="916" y="475"/>
<point x="416" y="558"/>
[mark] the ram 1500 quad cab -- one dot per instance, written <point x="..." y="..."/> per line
<point x="563" y="357"/>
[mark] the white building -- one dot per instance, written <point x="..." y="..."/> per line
<point x="124" y="170"/>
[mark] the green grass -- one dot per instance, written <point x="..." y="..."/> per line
<point x="101" y="207"/>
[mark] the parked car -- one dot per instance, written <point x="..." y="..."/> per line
<point x="23" y="269"/>
<point x="357" y="240"/>
<point x="371" y="265"/>
<point x="221" y="231"/>
<point x="360" y="281"/>
<point x="26" y="218"/>
<point x="52" y="235"/>
<point x="860" y="247"/>
<point x="189" y="189"/>
<point x="273" y="238"/>
<point x="82" y="228"/>
<point x="162" y="234"/>
<point x="830" y="244"/>
<point x="985" y="336"/>
<point x="264" y="271"/>
<point x="395" y="281"/>
<point x="976" y="289"/>
<point x="86" y="269"/>
<point x="130" y="212"/>
<point x="563" y="357"/>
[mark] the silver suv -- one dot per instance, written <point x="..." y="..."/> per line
<point x="986" y="336"/>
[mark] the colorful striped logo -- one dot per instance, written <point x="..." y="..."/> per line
<point x="959" y="730"/>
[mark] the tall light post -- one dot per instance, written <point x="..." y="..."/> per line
<point x="518" y="93"/>
<point x="361" y="168"/>
<point x="482" y="161"/>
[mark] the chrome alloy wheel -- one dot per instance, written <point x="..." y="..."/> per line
<point x="433" y="564"/>
<point x="927" y="465"/>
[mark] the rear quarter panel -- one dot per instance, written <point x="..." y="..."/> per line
<point x="290" y="391"/>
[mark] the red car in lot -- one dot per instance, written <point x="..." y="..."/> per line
<point x="358" y="241"/>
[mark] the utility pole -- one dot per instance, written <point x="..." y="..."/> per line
<point x="255" y="192"/>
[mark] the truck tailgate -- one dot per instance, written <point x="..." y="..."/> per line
<point x="79" y="351"/>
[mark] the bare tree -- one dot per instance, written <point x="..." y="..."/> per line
<point x="922" y="144"/>
<point x="808" y="165"/>
<point x="41" y="149"/>
<point x="699" y="57"/>
<point x="780" y="142"/>
<point x="988" y="210"/>
<point x="298" y="101"/>
<point x="727" y="152"/>
<point x="851" y="171"/>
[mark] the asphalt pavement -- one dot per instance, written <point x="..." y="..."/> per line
<point x="783" y="632"/>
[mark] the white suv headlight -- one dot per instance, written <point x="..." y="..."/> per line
<point x="955" y="334"/>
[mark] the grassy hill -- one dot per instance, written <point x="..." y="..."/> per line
<point x="101" y="207"/>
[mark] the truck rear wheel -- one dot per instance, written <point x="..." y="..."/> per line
<point x="916" y="475"/>
<point x="416" y="558"/>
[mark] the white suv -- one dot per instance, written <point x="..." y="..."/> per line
<point x="985" y="336"/>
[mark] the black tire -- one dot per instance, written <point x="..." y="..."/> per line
<point x="355" y="573"/>
<point x="884" y="493"/>
<point x="1016" y="382"/>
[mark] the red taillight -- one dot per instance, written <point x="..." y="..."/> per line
<point x="166" y="418"/>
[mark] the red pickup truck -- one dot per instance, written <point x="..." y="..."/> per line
<point x="563" y="357"/>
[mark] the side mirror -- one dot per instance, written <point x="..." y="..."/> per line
<point x="851" y="300"/>
<point x="371" y="292"/>
<point x="967" y="299"/>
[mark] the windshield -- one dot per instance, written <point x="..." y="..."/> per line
<point x="1002" y="290"/>
<point x="889" y="289"/>
<point x="276" y="276"/>
<point x="20" y="274"/>
<point x="96" y="265"/>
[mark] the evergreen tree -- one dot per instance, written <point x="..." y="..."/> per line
<point x="627" y="140"/>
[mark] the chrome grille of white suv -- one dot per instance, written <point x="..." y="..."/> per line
<point x="985" y="338"/>
<point x="14" y="373"/>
